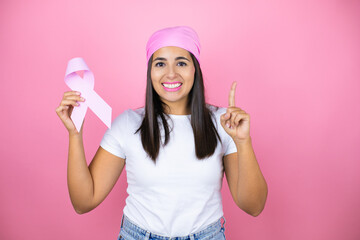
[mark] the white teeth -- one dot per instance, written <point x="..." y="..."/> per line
<point x="171" y="85"/>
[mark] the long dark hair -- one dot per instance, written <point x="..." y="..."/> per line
<point x="205" y="133"/>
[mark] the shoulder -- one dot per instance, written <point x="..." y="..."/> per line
<point x="129" y="115"/>
<point x="216" y="111"/>
<point x="132" y="113"/>
<point x="136" y="114"/>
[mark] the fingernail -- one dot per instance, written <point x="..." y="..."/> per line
<point x="83" y="99"/>
<point x="228" y="125"/>
<point x="78" y="93"/>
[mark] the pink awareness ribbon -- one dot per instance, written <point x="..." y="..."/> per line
<point x="85" y="86"/>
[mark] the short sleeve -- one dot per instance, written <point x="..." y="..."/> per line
<point x="230" y="146"/>
<point x="113" y="139"/>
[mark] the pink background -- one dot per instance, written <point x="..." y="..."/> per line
<point x="297" y="68"/>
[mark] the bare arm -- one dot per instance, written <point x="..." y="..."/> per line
<point x="246" y="182"/>
<point x="88" y="186"/>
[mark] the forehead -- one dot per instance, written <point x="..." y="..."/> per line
<point x="171" y="51"/>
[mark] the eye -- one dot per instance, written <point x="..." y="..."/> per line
<point x="182" y="64"/>
<point x="159" y="64"/>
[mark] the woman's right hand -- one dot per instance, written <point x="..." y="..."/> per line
<point x="64" y="110"/>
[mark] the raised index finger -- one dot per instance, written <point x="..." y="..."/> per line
<point x="232" y="95"/>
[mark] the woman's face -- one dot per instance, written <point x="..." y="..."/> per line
<point x="172" y="75"/>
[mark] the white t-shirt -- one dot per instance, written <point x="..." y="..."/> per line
<point x="179" y="195"/>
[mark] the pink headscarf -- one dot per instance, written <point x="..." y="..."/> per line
<point x="180" y="36"/>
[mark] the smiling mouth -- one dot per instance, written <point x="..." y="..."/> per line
<point x="171" y="86"/>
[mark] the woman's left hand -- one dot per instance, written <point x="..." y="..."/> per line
<point x="236" y="122"/>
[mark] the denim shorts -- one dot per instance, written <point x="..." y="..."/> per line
<point x="130" y="231"/>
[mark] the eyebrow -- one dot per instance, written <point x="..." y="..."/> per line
<point x="164" y="59"/>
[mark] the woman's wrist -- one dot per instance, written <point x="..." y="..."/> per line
<point x="75" y="134"/>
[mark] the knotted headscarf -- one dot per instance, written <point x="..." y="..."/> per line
<point x="180" y="36"/>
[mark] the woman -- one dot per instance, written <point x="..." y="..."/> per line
<point x="174" y="149"/>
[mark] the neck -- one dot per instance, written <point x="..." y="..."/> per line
<point x="177" y="109"/>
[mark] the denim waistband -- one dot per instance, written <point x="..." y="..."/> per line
<point x="130" y="228"/>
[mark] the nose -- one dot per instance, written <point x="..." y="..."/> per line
<point x="171" y="74"/>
